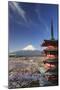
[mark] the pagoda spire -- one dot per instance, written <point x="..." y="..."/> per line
<point x="52" y="33"/>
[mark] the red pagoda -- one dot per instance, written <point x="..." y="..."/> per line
<point x="51" y="60"/>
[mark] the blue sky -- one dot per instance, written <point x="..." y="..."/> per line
<point x="30" y="23"/>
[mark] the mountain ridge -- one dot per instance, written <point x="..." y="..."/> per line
<point x="26" y="53"/>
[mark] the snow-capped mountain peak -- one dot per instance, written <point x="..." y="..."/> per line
<point x="29" y="47"/>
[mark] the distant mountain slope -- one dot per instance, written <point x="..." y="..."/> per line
<point x="26" y="53"/>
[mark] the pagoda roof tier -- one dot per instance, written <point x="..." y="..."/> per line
<point x="54" y="71"/>
<point x="55" y="59"/>
<point x="49" y="50"/>
<point x="50" y="42"/>
<point x="51" y="72"/>
<point x="53" y="79"/>
<point x="50" y="61"/>
<point x="52" y="48"/>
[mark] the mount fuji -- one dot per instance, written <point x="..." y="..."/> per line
<point x="29" y="47"/>
<point x="29" y="50"/>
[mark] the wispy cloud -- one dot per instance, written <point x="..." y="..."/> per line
<point x="40" y="18"/>
<point x="16" y="7"/>
<point x="20" y="11"/>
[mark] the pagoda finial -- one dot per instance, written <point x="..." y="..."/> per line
<point x="52" y="33"/>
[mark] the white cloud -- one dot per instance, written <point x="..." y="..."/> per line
<point x="16" y="7"/>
